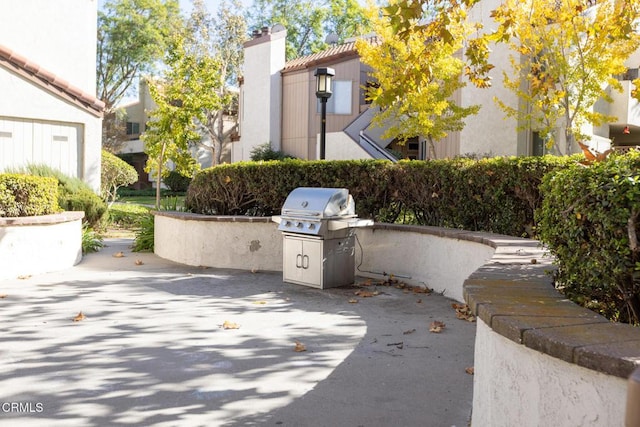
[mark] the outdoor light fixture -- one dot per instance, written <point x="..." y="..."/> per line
<point x="323" y="92"/>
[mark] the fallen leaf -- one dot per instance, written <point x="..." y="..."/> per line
<point x="2" y="296"/>
<point x="118" y="255"/>
<point x="366" y="294"/>
<point x="419" y="301"/>
<point x="259" y="302"/>
<point x="254" y="270"/>
<point x="410" y="331"/>
<point x="463" y="312"/>
<point x="436" y="326"/>
<point x="79" y="317"/>
<point x="24" y="276"/>
<point x="353" y="301"/>
<point x="299" y="347"/>
<point x="469" y="370"/>
<point x="139" y="262"/>
<point x="230" y="325"/>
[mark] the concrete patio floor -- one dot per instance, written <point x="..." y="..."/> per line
<point x="152" y="351"/>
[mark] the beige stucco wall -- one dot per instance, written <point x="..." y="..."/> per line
<point x="58" y="35"/>
<point x="418" y="259"/>
<point x="222" y="244"/>
<point x="489" y="131"/>
<point x="339" y="146"/>
<point x="33" y="245"/>
<point x="515" y="385"/>
<point x="442" y="264"/>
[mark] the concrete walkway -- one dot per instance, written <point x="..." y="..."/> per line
<point x="152" y="350"/>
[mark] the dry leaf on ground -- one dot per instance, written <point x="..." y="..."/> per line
<point x="139" y="262"/>
<point x="230" y="325"/>
<point x="463" y="312"/>
<point x="469" y="370"/>
<point x="259" y="302"/>
<point x="118" y="255"/>
<point x="410" y="331"/>
<point x="2" y="296"/>
<point x="353" y="301"/>
<point x="436" y="326"/>
<point x="80" y="316"/>
<point x="366" y="294"/>
<point x="299" y="347"/>
<point x="24" y="277"/>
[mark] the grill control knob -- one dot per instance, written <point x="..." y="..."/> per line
<point x="299" y="224"/>
<point x="312" y="226"/>
<point x="287" y="224"/>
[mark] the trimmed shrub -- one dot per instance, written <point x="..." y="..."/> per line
<point x="590" y="220"/>
<point x="25" y="195"/>
<point x="498" y="195"/>
<point x="114" y="173"/>
<point x="127" y="216"/>
<point x="176" y="182"/>
<point x="73" y="193"/>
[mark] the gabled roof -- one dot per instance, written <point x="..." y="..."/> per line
<point x="49" y="81"/>
<point x="343" y="51"/>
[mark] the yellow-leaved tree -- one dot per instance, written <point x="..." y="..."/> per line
<point x="416" y="69"/>
<point x="565" y="55"/>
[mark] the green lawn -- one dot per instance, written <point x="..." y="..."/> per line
<point x="165" y="201"/>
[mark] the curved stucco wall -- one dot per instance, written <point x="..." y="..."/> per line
<point x="247" y="243"/>
<point x="40" y="244"/>
<point x="514" y="385"/>
<point x="419" y="256"/>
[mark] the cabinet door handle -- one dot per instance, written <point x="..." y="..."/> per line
<point x="305" y="265"/>
<point x="299" y="261"/>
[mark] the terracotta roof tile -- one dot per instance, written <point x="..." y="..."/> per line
<point x="334" y="53"/>
<point x="49" y="81"/>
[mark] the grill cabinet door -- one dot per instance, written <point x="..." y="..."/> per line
<point x="302" y="260"/>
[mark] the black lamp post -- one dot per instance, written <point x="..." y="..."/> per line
<point x="323" y="92"/>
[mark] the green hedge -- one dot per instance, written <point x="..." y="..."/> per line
<point x="498" y="195"/>
<point x="24" y="195"/>
<point x="590" y="221"/>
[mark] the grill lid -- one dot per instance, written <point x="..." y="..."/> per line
<point x="319" y="203"/>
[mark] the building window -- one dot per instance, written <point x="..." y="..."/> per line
<point x="340" y="101"/>
<point x="370" y="86"/>
<point x="133" y="128"/>
<point x="538" y="145"/>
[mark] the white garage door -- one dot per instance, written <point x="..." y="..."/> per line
<point x="55" y="144"/>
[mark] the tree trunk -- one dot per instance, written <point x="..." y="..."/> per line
<point x="159" y="175"/>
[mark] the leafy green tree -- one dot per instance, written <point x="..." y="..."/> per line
<point x="568" y="53"/>
<point x="169" y="131"/>
<point x="216" y="39"/>
<point x="415" y="81"/>
<point x="194" y="94"/>
<point x="303" y="20"/>
<point x="132" y="38"/>
<point x="347" y="18"/>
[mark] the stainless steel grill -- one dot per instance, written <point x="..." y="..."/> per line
<point x="318" y="226"/>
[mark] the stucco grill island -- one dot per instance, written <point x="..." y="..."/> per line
<point x="318" y="226"/>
